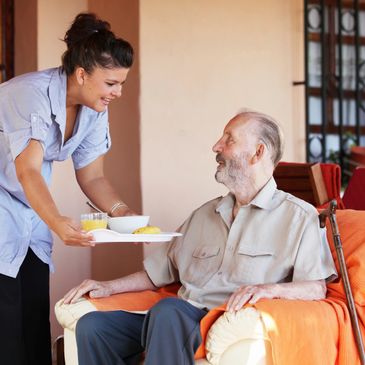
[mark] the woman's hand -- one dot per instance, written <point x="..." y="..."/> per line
<point x="96" y="289"/>
<point x="70" y="233"/>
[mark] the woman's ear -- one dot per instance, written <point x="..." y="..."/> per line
<point x="80" y="75"/>
<point x="260" y="150"/>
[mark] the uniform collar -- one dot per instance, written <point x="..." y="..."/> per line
<point x="57" y="95"/>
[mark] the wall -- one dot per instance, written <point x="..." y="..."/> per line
<point x="122" y="164"/>
<point x="201" y="61"/>
<point x="25" y="22"/>
<point x="72" y="264"/>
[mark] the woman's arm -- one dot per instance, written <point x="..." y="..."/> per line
<point x="28" y="167"/>
<point x="98" y="189"/>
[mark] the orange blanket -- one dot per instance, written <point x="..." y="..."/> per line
<point x="319" y="332"/>
<point x="301" y="332"/>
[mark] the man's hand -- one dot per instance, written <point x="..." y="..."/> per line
<point x="96" y="289"/>
<point x="250" y="294"/>
<point x="303" y="290"/>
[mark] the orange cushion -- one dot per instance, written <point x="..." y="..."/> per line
<point x="351" y="225"/>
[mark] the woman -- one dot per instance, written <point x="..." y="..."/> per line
<point x="46" y="116"/>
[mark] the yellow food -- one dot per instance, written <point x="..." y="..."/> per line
<point x="90" y="224"/>
<point x="147" y="230"/>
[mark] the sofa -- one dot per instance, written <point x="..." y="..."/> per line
<point x="273" y="331"/>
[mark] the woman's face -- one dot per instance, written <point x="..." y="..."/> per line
<point x="101" y="86"/>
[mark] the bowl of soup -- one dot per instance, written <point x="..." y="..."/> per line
<point x="128" y="224"/>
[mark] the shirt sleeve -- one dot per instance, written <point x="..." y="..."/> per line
<point x="159" y="267"/>
<point x="26" y="116"/>
<point x="162" y="266"/>
<point x="314" y="259"/>
<point x="96" y="142"/>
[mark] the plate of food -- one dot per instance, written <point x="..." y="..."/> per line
<point x="107" y="235"/>
<point x="132" y="228"/>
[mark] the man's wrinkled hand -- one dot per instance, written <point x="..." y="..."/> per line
<point x="96" y="289"/>
<point x="249" y="294"/>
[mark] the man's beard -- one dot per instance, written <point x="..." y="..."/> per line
<point x="234" y="172"/>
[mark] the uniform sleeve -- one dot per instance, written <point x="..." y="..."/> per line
<point x="314" y="259"/>
<point x="96" y="143"/>
<point x="25" y="115"/>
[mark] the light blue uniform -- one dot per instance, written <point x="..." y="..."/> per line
<point x="33" y="106"/>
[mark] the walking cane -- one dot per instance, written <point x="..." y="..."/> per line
<point x="331" y="213"/>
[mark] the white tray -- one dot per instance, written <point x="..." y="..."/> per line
<point x="107" y="235"/>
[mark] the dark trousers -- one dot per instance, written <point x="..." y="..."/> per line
<point x="25" y="337"/>
<point x="169" y="333"/>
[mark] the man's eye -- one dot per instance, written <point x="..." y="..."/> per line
<point x="110" y="84"/>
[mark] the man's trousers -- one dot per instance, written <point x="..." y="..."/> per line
<point x="169" y="334"/>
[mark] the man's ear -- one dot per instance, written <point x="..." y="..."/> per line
<point x="260" y="149"/>
<point x="80" y="74"/>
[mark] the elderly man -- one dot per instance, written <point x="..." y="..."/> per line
<point x="256" y="242"/>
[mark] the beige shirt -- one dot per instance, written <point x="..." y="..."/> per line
<point x="274" y="239"/>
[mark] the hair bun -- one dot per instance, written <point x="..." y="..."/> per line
<point x="91" y="43"/>
<point x="84" y="26"/>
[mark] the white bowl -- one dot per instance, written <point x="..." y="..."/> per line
<point x="128" y="224"/>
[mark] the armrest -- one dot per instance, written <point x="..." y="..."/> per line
<point x="239" y="337"/>
<point x="68" y="314"/>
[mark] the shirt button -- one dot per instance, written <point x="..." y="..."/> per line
<point x="220" y="273"/>
<point x="204" y="254"/>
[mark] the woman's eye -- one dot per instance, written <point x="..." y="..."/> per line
<point x="109" y="84"/>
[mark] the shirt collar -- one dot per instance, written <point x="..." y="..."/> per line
<point x="226" y="203"/>
<point x="262" y="200"/>
<point x="265" y="196"/>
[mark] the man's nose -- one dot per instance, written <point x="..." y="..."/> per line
<point x="217" y="146"/>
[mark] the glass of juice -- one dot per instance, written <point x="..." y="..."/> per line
<point x="92" y="221"/>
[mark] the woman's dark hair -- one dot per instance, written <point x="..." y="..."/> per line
<point x="91" y="43"/>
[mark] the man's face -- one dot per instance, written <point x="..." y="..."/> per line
<point x="235" y="150"/>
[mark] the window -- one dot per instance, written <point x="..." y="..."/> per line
<point x="335" y="79"/>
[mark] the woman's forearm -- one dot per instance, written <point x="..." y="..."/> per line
<point x="39" y="196"/>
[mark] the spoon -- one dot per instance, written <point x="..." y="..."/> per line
<point x="91" y="205"/>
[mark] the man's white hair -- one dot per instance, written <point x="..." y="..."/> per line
<point x="269" y="132"/>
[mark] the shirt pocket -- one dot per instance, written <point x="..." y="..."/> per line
<point x="205" y="261"/>
<point x="251" y="264"/>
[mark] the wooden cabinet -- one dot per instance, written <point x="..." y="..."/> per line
<point x="6" y="39"/>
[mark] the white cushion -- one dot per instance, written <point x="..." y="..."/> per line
<point x="68" y="314"/>
<point x="230" y="331"/>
